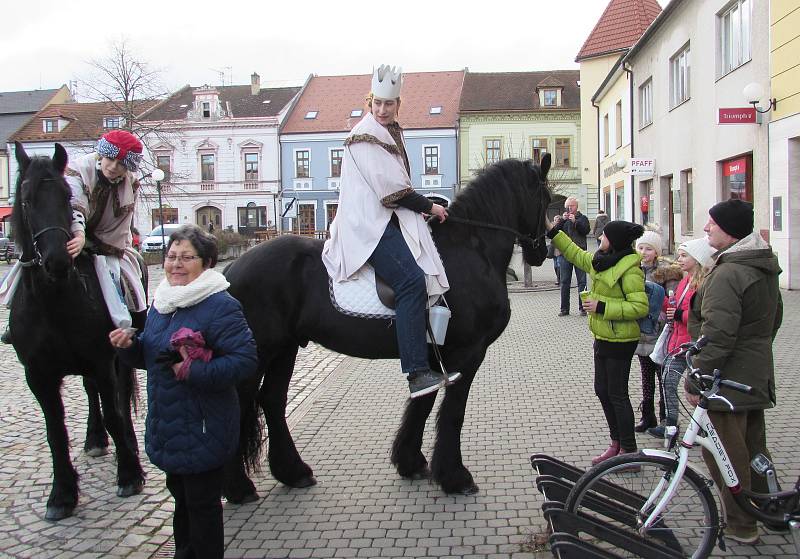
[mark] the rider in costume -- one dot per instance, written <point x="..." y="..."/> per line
<point x="381" y="221"/>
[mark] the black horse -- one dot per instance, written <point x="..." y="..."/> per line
<point x="283" y="287"/>
<point x="60" y="324"/>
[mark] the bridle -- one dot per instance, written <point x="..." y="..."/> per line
<point x="37" y="255"/>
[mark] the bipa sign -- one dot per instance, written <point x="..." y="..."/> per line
<point x="642" y="166"/>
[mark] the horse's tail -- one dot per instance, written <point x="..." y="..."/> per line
<point x="251" y="434"/>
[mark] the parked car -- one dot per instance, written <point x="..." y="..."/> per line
<point x="153" y="242"/>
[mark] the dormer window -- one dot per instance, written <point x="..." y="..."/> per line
<point x="311" y="115"/>
<point x="50" y="125"/>
<point x="206" y="108"/>
<point x="437" y="110"/>
<point x="110" y="122"/>
<point x="550" y="97"/>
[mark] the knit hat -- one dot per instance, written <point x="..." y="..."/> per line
<point x="652" y="238"/>
<point x="700" y="250"/>
<point x="734" y="216"/>
<point x="121" y="145"/>
<point x="621" y="234"/>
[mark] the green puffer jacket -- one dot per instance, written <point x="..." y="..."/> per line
<point x="621" y="288"/>
<point x="739" y="308"/>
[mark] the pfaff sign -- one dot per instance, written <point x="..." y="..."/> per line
<point x="737" y="115"/>
<point x="642" y="166"/>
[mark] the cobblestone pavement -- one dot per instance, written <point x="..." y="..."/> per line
<point x="533" y="394"/>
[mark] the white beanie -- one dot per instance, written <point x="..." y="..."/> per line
<point x="700" y="250"/>
<point x="650" y="237"/>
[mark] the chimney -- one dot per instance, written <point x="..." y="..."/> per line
<point x="255" y="84"/>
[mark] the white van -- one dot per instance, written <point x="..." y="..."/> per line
<point x="152" y="242"/>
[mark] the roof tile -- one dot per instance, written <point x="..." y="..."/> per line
<point x="620" y="26"/>
<point x="516" y="91"/>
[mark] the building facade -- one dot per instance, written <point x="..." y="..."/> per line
<point x="219" y="150"/>
<point x="689" y="71"/>
<point x="784" y="138"/>
<point x="312" y="142"/>
<point x="538" y="113"/>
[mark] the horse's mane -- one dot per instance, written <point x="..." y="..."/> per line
<point x="488" y="194"/>
<point x="39" y="167"/>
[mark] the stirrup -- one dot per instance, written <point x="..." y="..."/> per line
<point x="451" y="378"/>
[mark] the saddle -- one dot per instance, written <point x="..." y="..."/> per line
<point x="363" y="296"/>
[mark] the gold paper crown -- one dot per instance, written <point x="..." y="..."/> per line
<point x="386" y="82"/>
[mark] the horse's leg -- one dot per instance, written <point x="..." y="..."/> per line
<point x="447" y="467"/>
<point x="237" y="487"/>
<point x="407" y="454"/>
<point x="96" y="443"/>
<point x="46" y="388"/>
<point x="130" y="476"/>
<point x="284" y="460"/>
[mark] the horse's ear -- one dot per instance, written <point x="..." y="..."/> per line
<point x="60" y="158"/>
<point x="22" y="158"/>
<point x="545" y="165"/>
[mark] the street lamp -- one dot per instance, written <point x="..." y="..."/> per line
<point x="158" y="176"/>
<point x="753" y="92"/>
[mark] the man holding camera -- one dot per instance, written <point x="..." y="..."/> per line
<point x="576" y="226"/>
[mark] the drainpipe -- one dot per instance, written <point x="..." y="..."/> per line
<point x="630" y="119"/>
<point x="597" y="128"/>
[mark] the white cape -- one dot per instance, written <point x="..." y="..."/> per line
<point x="370" y="172"/>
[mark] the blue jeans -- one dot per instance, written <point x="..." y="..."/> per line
<point x="394" y="263"/>
<point x="565" y="279"/>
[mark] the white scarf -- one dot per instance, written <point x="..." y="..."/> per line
<point x="169" y="298"/>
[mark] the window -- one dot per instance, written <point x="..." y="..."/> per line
<point x="737" y="178"/>
<point x="251" y="166"/>
<point x="436" y="110"/>
<point x="734" y="36"/>
<point x="562" y="152"/>
<point x="679" y="77"/>
<point x="538" y="149"/>
<point x="646" y="103"/>
<point x="605" y="136"/>
<point x="492" y="150"/>
<point x="164" y="163"/>
<point x="687" y="222"/>
<point x="252" y="216"/>
<point x="311" y="115"/>
<point x="330" y="213"/>
<point x="207" y="167"/>
<point x="431" y="160"/>
<point x="550" y="97"/>
<point x="306" y="218"/>
<point x="356" y="113"/>
<point x="112" y="121"/>
<point x="302" y="164"/>
<point x="618" y="124"/>
<point x="50" y="125"/>
<point x="619" y="208"/>
<point x="206" y="108"/>
<point x="336" y="162"/>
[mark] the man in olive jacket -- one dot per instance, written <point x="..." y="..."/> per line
<point x="739" y="309"/>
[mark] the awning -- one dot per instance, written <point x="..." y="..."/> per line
<point x="5" y="211"/>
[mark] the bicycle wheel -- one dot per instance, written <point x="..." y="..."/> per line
<point x="616" y="490"/>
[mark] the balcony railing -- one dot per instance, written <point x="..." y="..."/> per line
<point x="206" y="186"/>
<point x="251" y="185"/>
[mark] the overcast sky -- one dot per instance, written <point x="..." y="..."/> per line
<point x="46" y="43"/>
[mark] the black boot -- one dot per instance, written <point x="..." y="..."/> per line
<point x="648" y="420"/>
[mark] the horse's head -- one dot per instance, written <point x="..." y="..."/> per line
<point x="42" y="214"/>
<point x="533" y="211"/>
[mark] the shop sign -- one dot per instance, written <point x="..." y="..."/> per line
<point x="735" y="167"/>
<point x="642" y="166"/>
<point x="737" y="115"/>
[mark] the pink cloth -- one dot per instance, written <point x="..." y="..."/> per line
<point x="195" y="346"/>
<point x="680" y="330"/>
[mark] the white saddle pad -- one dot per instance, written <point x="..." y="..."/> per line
<point x="358" y="296"/>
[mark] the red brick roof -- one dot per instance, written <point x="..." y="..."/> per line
<point x="335" y="97"/>
<point x="85" y="121"/>
<point x="517" y="91"/>
<point x="620" y="26"/>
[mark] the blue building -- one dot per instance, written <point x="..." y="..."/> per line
<point x="313" y="135"/>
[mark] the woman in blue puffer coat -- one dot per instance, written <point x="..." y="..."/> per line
<point x="196" y="347"/>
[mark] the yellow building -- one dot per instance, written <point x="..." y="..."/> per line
<point x="784" y="137"/>
<point x="620" y="26"/>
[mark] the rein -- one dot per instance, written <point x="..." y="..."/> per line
<point x="37" y="258"/>
<point x="529" y="237"/>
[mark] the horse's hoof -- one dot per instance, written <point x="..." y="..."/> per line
<point x="471" y="489"/>
<point x="306" y="481"/>
<point x="130" y="489"/>
<point x="54" y="513"/>
<point x="96" y="451"/>
<point x="423" y="473"/>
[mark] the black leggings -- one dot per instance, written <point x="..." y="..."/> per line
<point x="611" y="375"/>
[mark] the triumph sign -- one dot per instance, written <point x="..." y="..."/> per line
<point x="737" y="115"/>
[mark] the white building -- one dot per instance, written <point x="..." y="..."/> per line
<point x="218" y="147"/>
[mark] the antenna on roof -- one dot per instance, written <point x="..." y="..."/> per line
<point x="225" y="74"/>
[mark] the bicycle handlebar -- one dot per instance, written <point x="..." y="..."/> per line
<point x="690" y="349"/>
<point x="733" y="385"/>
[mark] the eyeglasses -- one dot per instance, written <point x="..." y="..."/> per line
<point x="184" y="258"/>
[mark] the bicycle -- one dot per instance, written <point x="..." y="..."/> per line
<point x="664" y="499"/>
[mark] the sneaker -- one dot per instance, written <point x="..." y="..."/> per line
<point x="563" y="313"/>
<point x="742" y="536"/>
<point x="421" y="383"/>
